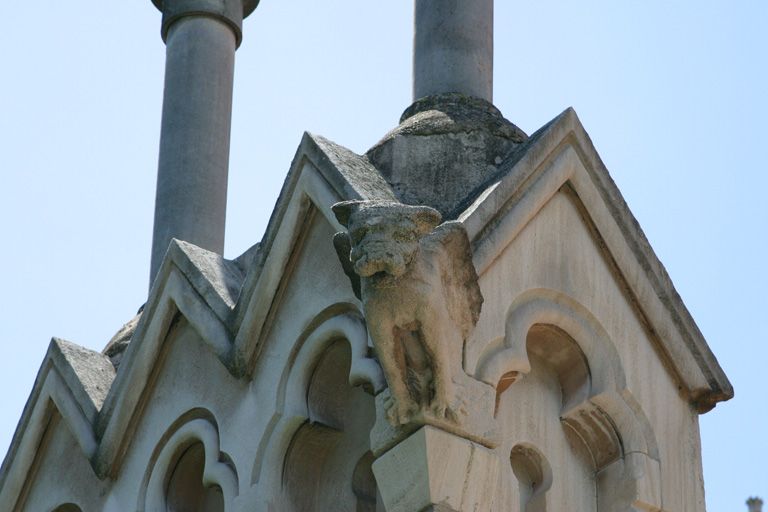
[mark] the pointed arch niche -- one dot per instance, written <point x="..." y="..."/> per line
<point x="187" y="471"/>
<point x="317" y="453"/>
<point x="572" y="430"/>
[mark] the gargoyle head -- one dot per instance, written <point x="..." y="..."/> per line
<point x="384" y="235"/>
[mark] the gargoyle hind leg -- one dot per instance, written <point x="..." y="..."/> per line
<point x="390" y="352"/>
<point x="445" y="349"/>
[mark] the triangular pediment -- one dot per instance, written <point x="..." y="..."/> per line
<point x="561" y="157"/>
<point x="71" y="386"/>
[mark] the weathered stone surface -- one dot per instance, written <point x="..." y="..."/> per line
<point x="456" y="113"/>
<point x="191" y="195"/>
<point x="230" y="12"/>
<point x="434" y="470"/>
<point x="421" y="301"/>
<point x="217" y="278"/>
<point x="361" y="177"/>
<point x="201" y="37"/>
<point x="445" y="148"/>
<point x="477" y="424"/>
<point x="560" y="157"/>
<point x="246" y="260"/>
<point x="93" y="371"/>
<point x="116" y="346"/>
<point x="453" y="48"/>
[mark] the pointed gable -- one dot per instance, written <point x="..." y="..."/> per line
<point x="561" y="157"/>
<point x="71" y="384"/>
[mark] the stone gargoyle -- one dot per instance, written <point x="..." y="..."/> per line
<point x="421" y="300"/>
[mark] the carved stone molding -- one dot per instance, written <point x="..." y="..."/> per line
<point x="196" y="426"/>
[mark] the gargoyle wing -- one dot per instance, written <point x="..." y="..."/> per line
<point x="458" y="274"/>
<point x="343" y="246"/>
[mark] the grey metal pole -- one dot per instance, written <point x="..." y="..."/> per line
<point x="201" y="37"/>
<point x="453" y="48"/>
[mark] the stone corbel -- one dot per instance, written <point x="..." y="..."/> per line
<point x="434" y="471"/>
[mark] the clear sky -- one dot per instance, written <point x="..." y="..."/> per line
<point x="673" y="94"/>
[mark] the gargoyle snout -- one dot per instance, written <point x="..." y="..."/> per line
<point x="373" y="256"/>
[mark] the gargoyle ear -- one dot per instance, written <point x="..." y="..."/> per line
<point x="344" y="211"/>
<point x="426" y="219"/>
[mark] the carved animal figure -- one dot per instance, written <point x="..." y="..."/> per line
<point x="421" y="299"/>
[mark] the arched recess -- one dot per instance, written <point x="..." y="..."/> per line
<point x="187" y="464"/>
<point x="67" y="507"/>
<point x="509" y="356"/>
<point x="604" y="424"/>
<point x="314" y="450"/>
<point x="534" y="476"/>
<point x="364" y="484"/>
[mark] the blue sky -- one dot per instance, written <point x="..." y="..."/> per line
<point x="673" y="95"/>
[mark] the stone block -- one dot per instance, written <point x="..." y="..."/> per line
<point x="435" y="470"/>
